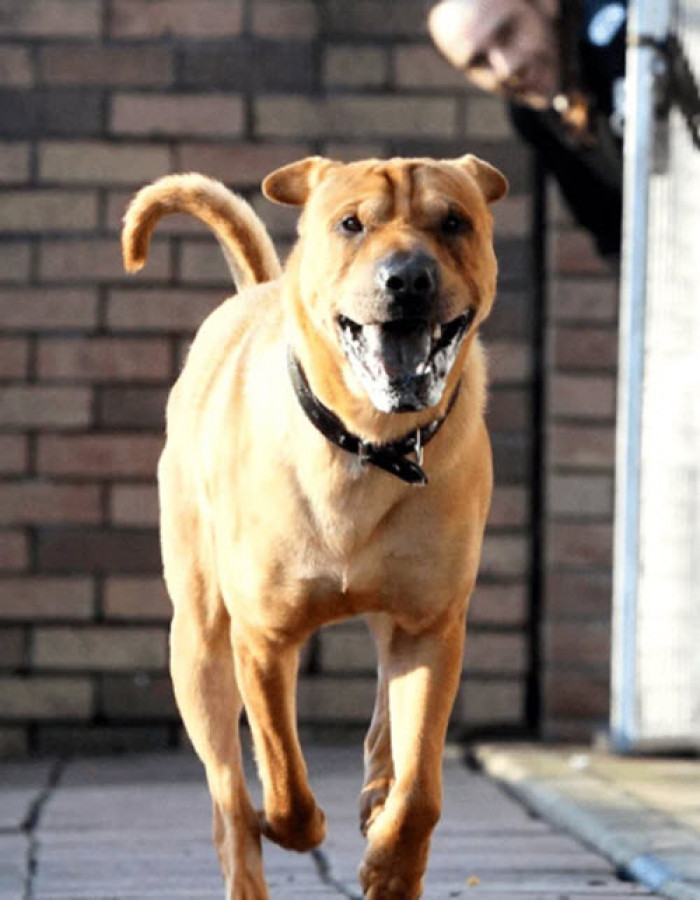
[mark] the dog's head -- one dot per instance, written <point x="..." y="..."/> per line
<point x="394" y="268"/>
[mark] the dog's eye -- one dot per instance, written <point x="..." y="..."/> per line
<point x="454" y="224"/>
<point x="351" y="225"/>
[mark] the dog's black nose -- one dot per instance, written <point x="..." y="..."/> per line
<point x="408" y="275"/>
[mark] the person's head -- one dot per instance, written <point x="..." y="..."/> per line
<point x="509" y="47"/>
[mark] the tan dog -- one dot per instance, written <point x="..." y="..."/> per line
<point x="290" y="499"/>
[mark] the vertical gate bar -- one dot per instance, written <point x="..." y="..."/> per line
<point x="643" y="22"/>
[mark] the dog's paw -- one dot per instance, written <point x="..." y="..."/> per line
<point x="245" y="887"/>
<point x="372" y="800"/>
<point x="302" y="829"/>
<point x="379" y="884"/>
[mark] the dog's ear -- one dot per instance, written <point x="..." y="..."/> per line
<point x="493" y="183"/>
<point x="292" y="184"/>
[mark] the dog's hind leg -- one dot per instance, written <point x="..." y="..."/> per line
<point x="379" y="765"/>
<point x="423" y="673"/>
<point x="267" y="675"/>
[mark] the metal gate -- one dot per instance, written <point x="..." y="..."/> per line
<point x="656" y="629"/>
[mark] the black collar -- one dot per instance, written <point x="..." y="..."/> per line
<point x="391" y="457"/>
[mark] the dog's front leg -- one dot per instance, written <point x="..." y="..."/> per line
<point x="267" y="676"/>
<point x="423" y="674"/>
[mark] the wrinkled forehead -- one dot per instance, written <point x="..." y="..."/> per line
<point x="396" y="188"/>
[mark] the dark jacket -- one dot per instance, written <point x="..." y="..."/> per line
<point x="589" y="173"/>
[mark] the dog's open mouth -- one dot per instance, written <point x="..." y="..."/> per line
<point x="403" y="364"/>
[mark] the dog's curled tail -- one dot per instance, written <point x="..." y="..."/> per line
<point x="247" y="246"/>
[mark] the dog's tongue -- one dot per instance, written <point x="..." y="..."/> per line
<point x="400" y="348"/>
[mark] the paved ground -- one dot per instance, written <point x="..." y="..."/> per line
<point x="137" y="828"/>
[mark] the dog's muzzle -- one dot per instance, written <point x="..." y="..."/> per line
<point x="403" y="360"/>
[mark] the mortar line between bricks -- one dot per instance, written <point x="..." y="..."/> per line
<point x="325" y="873"/>
<point x="31" y="823"/>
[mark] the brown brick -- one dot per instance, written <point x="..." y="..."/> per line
<point x="95" y="162"/>
<point x="14" y="262"/>
<point x="499" y="604"/>
<point x="51" y="18"/>
<point x="48" y="210"/>
<point x="575" y="254"/>
<point x="422" y="67"/>
<point x="505" y="556"/>
<point x="16" y="69"/>
<point x="575" y="544"/>
<point x="14" y="742"/>
<point x="490" y="703"/>
<point x="25" y="503"/>
<point x="90" y="260"/>
<point x="158" y="18"/>
<point x="137" y="697"/>
<point x="510" y="507"/>
<point x="48" y="309"/>
<point x="162" y="311"/>
<point x="133" y="504"/>
<point x="575" y="695"/>
<point x="239" y="164"/>
<point x="37" y="599"/>
<point x="585" y="348"/>
<point x="104" y="359"/>
<point x="13" y="454"/>
<point x="136" y="598"/>
<point x="203" y="263"/>
<point x="579" y="595"/>
<point x="14" y="551"/>
<point x="585" y="300"/>
<point x="285" y="18"/>
<point x="509" y="410"/>
<point x="580" y="496"/>
<point x="36" y="407"/>
<point x="509" y="361"/>
<point x="512" y="218"/>
<point x="98" y="740"/>
<point x="91" y="64"/>
<point x="46" y="698"/>
<point x="584" y="446"/>
<point x="14" y="162"/>
<point x="74" y="550"/>
<point x="174" y="115"/>
<point x="348" y="700"/>
<point x="14" y="355"/>
<point x="12" y="643"/>
<point x="495" y="654"/>
<point x="347" y="647"/>
<point x="579" y="644"/>
<point x="99" y="648"/>
<point x="487" y="119"/>
<point x="372" y="116"/>
<point x="101" y="455"/>
<point x="355" y="66"/>
<point x="370" y="18"/>
<point x="349" y="151"/>
<point x="132" y="407"/>
<point x="583" y="396"/>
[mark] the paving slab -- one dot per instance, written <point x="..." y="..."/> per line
<point x="138" y="828"/>
<point x="642" y="814"/>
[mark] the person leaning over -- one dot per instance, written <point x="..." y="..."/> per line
<point x="561" y="66"/>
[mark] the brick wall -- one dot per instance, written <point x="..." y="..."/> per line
<point x="578" y="465"/>
<point x="96" y="98"/>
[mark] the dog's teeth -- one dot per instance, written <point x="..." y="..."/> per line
<point x="437" y="332"/>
